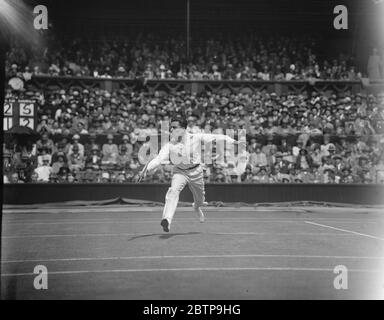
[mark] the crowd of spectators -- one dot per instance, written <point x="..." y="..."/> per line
<point x="155" y="56"/>
<point x="93" y="135"/>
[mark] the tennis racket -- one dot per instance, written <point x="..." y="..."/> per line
<point x="143" y="173"/>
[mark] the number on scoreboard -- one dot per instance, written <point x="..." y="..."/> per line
<point x="7" y="123"/>
<point x="8" y="110"/>
<point x="26" y="109"/>
<point x="27" y="122"/>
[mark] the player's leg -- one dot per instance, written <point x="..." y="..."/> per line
<point x="196" y="185"/>
<point x="172" y="198"/>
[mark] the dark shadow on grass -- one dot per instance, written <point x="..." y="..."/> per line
<point x="163" y="236"/>
<point x="143" y="236"/>
<point x="170" y="235"/>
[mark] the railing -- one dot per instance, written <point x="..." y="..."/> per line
<point x="197" y="86"/>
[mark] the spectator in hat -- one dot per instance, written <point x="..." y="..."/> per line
<point x="109" y="151"/>
<point x="76" y="142"/>
<point x="43" y="153"/>
<point x="304" y="160"/>
<point x="316" y="155"/>
<point x="56" y="129"/>
<point x="44" y="126"/>
<point x="61" y="147"/>
<point x="362" y="165"/>
<point x="261" y="176"/>
<point x="327" y="164"/>
<point x="247" y="174"/>
<point x="59" y="162"/>
<point x="338" y="162"/>
<point x="90" y="144"/>
<point x="331" y="150"/>
<point x="76" y="159"/>
<point x="123" y="158"/>
<point x="89" y="175"/>
<point x="284" y="147"/>
<point x="80" y="129"/>
<point x="350" y="157"/>
<point x="94" y="159"/>
<point x="46" y="143"/>
<point x="44" y="171"/>
<point x="345" y="172"/>
<point x="127" y="144"/>
<point x="275" y="174"/>
<point x="258" y="158"/>
<point x="106" y="123"/>
<point x="63" y="174"/>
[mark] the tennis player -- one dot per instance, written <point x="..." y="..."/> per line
<point x="184" y="153"/>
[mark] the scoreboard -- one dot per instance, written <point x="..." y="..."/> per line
<point x="19" y="112"/>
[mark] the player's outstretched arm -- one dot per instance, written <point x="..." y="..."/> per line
<point x="208" y="137"/>
<point x="155" y="162"/>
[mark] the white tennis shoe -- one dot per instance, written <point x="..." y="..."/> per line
<point x="200" y="213"/>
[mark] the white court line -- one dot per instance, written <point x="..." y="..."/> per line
<point x="344" y="230"/>
<point x="112" y="221"/>
<point x="170" y="234"/>
<point x="216" y="220"/>
<point x="190" y="269"/>
<point x="197" y="257"/>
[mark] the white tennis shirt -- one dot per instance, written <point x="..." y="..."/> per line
<point x="188" y="152"/>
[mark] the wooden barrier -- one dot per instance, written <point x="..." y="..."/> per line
<point x="248" y="193"/>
